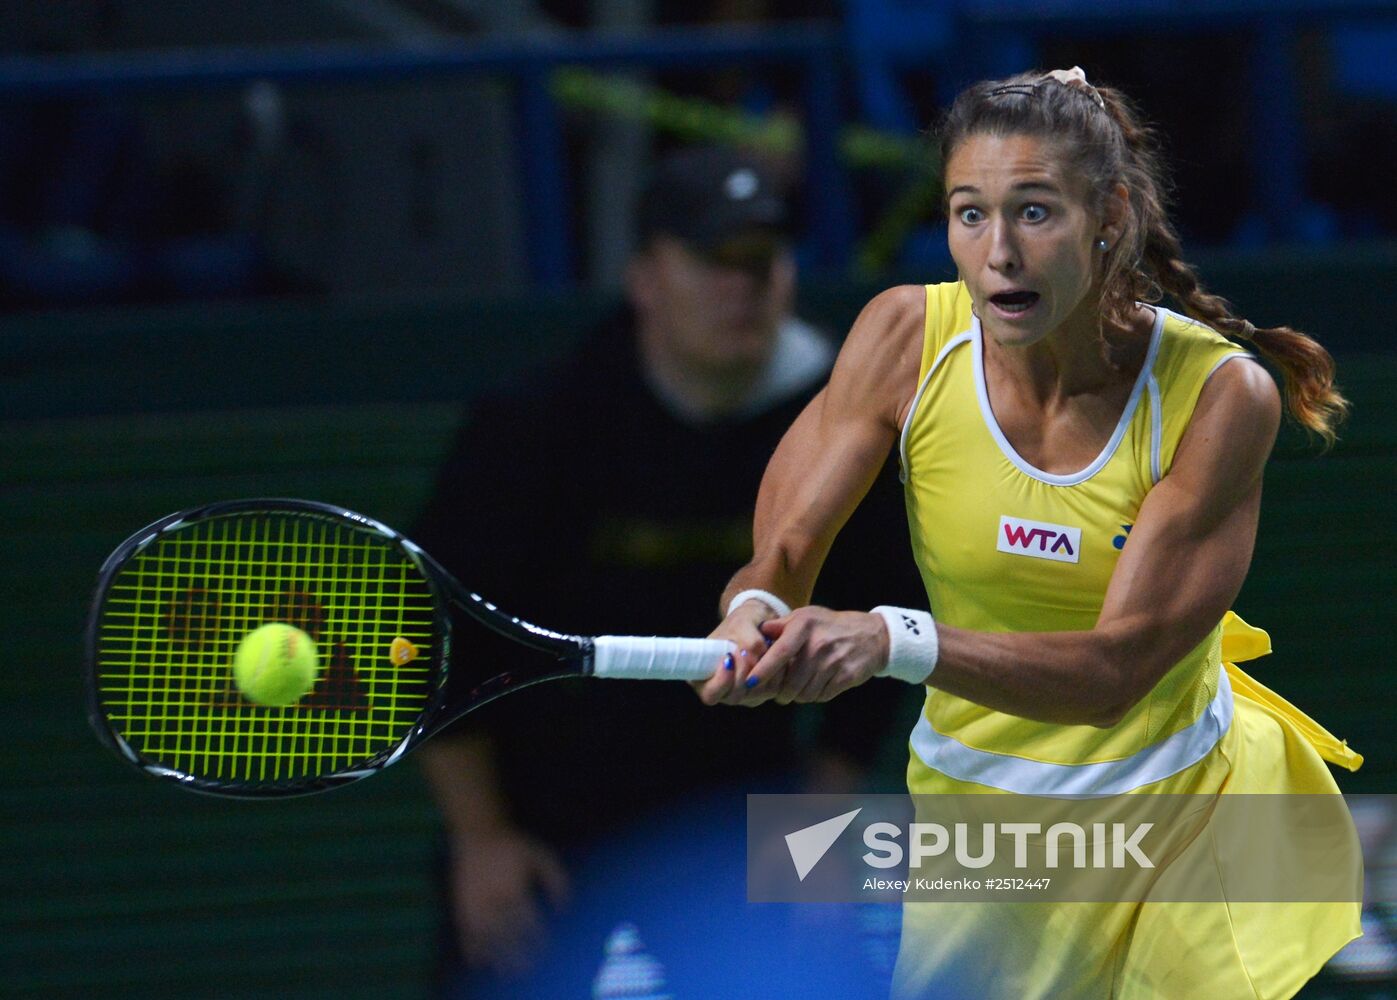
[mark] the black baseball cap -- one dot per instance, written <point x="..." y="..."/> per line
<point x="712" y="196"/>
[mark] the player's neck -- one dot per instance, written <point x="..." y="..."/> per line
<point x="1075" y="359"/>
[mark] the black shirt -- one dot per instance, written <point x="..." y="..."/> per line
<point x="584" y="505"/>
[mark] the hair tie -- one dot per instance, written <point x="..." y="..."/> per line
<point x="1076" y="78"/>
<point x="1247" y="331"/>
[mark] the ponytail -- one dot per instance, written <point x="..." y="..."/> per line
<point x="1156" y="265"/>
<point x="1307" y="369"/>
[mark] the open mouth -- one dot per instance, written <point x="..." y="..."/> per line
<point x="1014" y="302"/>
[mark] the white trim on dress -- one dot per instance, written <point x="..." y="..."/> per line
<point x="1023" y="776"/>
<point x="1156" y="430"/>
<point x="1081" y="476"/>
<point x="955" y="341"/>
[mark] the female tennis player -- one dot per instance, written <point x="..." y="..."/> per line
<point x="1083" y="478"/>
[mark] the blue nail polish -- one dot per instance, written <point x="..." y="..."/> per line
<point x="727" y="662"/>
<point x="752" y="681"/>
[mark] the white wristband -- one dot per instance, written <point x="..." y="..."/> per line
<point x="765" y="596"/>
<point x="912" y="644"/>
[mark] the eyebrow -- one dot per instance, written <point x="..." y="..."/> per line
<point x="1021" y="186"/>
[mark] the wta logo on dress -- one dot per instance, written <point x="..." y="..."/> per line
<point x="1039" y="539"/>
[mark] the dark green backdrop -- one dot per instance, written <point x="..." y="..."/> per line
<point x="117" y="885"/>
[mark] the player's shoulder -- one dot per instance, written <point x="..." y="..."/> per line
<point x="1194" y="354"/>
<point x="1243" y="391"/>
<point x="1186" y="343"/>
<point x="879" y="361"/>
<point x="948" y="299"/>
<point x="907" y="320"/>
<point x="913" y="305"/>
<point x="900" y="300"/>
<point x="892" y="320"/>
<point x="1231" y="431"/>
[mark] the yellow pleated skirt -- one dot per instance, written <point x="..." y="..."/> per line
<point x="1148" y="950"/>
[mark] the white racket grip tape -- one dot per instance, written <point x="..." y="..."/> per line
<point x="635" y="657"/>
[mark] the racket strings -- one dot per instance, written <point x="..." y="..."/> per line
<point x="176" y="611"/>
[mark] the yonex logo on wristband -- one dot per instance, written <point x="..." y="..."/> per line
<point x="1039" y="539"/>
<point x="912" y="643"/>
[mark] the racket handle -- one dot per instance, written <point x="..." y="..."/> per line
<point x="634" y="657"/>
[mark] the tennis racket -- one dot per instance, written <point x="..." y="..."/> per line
<point x="175" y="599"/>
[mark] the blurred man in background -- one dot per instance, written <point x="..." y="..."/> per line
<point x="613" y="496"/>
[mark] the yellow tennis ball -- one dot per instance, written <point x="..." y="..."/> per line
<point x="275" y="665"/>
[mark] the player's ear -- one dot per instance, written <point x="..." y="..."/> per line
<point x="1114" y="213"/>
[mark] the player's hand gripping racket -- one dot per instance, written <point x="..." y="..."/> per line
<point x="174" y="601"/>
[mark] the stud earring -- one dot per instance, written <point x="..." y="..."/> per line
<point x="1101" y="244"/>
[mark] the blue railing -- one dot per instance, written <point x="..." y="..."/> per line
<point x="813" y="49"/>
<point x="961" y="38"/>
<point x="974" y="39"/>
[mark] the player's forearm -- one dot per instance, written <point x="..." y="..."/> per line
<point x="1072" y="678"/>
<point x="787" y="569"/>
<point x="1151" y="620"/>
<point x="820" y="471"/>
<point x="796" y="523"/>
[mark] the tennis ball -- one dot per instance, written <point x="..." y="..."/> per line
<point x="275" y="665"/>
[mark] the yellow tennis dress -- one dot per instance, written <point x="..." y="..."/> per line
<point x="1003" y="546"/>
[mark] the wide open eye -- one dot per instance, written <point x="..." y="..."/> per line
<point x="970" y="216"/>
<point x="1034" y="213"/>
